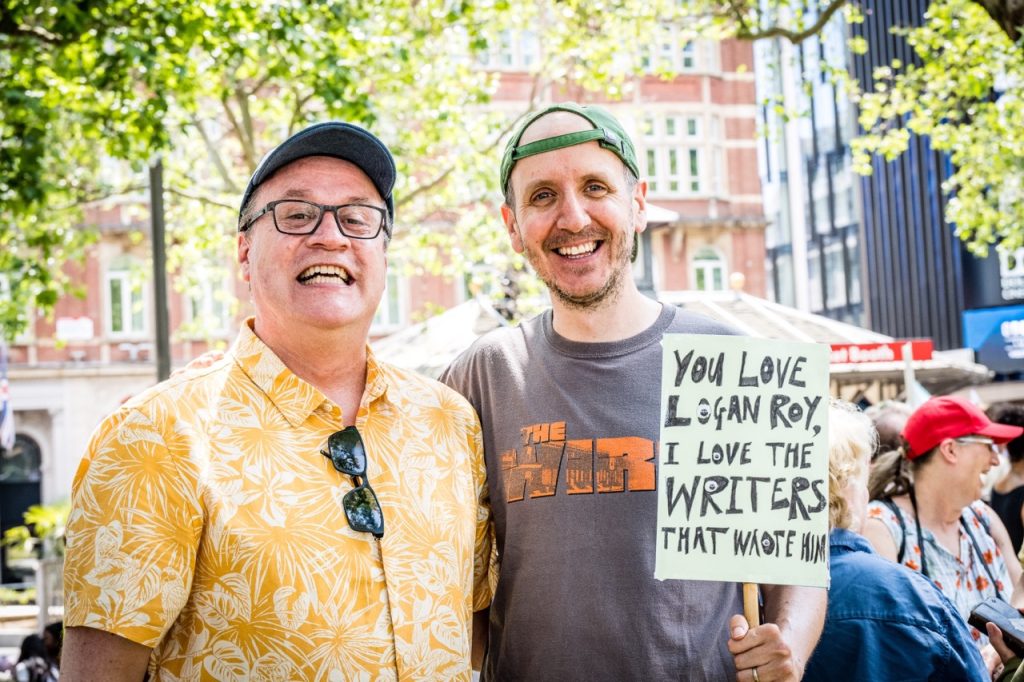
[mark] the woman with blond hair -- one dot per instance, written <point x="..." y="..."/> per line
<point x="927" y="511"/>
<point x="884" y="621"/>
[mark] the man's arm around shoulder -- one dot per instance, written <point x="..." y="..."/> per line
<point x="91" y="655"/>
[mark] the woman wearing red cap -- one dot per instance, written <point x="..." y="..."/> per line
<point x="927" y="511"/>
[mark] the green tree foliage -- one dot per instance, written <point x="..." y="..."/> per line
<point x="93" y="91"/>
<point x="964" y="93"/>
<point x="44" y="527"/>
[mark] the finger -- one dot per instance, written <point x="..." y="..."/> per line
<point x="760" y="673"/>
<point x="995" y="637"/>
<point x="766" y="638"/>
<point x="738" y="627"/>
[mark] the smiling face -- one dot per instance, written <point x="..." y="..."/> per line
<point x="322" y="281"/>
<point x="976" y="455"/>
<point x="574" y="215"/>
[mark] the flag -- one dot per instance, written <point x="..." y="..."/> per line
<point x="6" y="411"/>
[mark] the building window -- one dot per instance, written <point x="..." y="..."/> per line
<point x="853" y="248"/>
<point x="814" y="286"/>
<point x="209" y="306"/>
<point x="673" y="53"/>
<point x="835" y="278"/>
<point x="515" y="51"/>
<point x="126" y="305"/>
<point x="674" y="154"/>
<point x="22" y="463"/>
<point x="708" y="270"/>
<point x="391" y="311"/>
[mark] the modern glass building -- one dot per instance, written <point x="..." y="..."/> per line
<point x="873" y="250"/>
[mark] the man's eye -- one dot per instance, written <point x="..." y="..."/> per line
<point x="595" y="187"/>
<point x="542" y="196"/>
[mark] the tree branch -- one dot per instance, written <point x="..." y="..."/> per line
<point x="737" y="14"/>
<point x="242" y="97"/>
<point x="1009" y="14"/>
<point x="85" y="201"/>
<point x="34" y="32"/>
<point x="493" y="144"/>
<point x="201" y="199"/>
<point x="795" y="37"/>
<point x="214" y="154"/>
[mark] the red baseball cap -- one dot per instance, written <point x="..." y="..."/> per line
<point x="951" y="417"/>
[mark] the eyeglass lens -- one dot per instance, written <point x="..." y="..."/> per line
<point x="345" y="448"/>
<point x="362" y="508"/>
<point x="981" y="440"/>
<point x="299" y="217"/>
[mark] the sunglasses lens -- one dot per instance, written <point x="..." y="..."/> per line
<point x="363" y="511"/>
<point x="347" y="453"/>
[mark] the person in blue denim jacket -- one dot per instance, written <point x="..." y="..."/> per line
<point x="884" y="621"/>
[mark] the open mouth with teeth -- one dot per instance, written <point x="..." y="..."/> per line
<point x="579" y="250"/>
<point x="320" y="274"/>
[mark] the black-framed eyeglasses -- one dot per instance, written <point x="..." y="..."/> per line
<point x="298" y="217"/>
<point x="362" y="509"/>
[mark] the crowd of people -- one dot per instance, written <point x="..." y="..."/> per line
<point x="298" y="509"/>
<point x="39" y="657"/>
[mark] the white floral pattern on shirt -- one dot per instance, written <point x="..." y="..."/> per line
<point x="206" y="523"/>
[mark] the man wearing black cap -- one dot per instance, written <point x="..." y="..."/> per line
<point x="297" y="510"/>
<point x="569" y="403"/>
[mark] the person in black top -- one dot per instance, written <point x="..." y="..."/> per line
<point x="1008" y="492"/>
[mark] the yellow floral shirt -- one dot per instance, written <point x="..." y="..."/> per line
<point x="206" y="524"/>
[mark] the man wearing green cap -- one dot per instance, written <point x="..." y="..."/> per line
<point x="569" y="403"/>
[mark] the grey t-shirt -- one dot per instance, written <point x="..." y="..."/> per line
<point x="570" y="437"/>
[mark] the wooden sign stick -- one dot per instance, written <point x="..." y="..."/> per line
<point x="751" y="610"/>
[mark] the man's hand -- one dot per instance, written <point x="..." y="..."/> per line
<point x="201" y="362"/>
<point x="996" y="654"/>
<point x="761" y="654"/>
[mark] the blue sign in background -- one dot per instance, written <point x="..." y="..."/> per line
<point x="997" y="337"/>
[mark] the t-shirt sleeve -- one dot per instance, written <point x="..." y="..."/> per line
<point x="133" y="531"/>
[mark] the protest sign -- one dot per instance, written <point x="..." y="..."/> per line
<point x="743" y="461"/>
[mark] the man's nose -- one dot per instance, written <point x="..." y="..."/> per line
<point x="572" y="214"/>
<point x="329" y="231"/>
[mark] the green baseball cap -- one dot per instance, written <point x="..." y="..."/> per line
<point x="607" y="131"/>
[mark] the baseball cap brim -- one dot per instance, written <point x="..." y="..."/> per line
<point x="954" y="417"/>
<point x="1001" y="433"/>
<point x="335" y="139"/>
<point x="608" y="133"/>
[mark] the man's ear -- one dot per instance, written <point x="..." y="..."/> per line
<point x="513" y="228"/>
<point x="640" y="206"/>
<point x="947" y="450"/>
<point x="243" y="254"/>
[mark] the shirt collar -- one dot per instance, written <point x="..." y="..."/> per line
<point x="848" y="539"/>
<point x="378" y="377"/>
<point x="295" y="398"/>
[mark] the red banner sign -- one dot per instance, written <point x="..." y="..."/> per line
<point x="854" y="353"/>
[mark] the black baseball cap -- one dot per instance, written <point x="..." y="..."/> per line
<point x="336" y="139"/>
